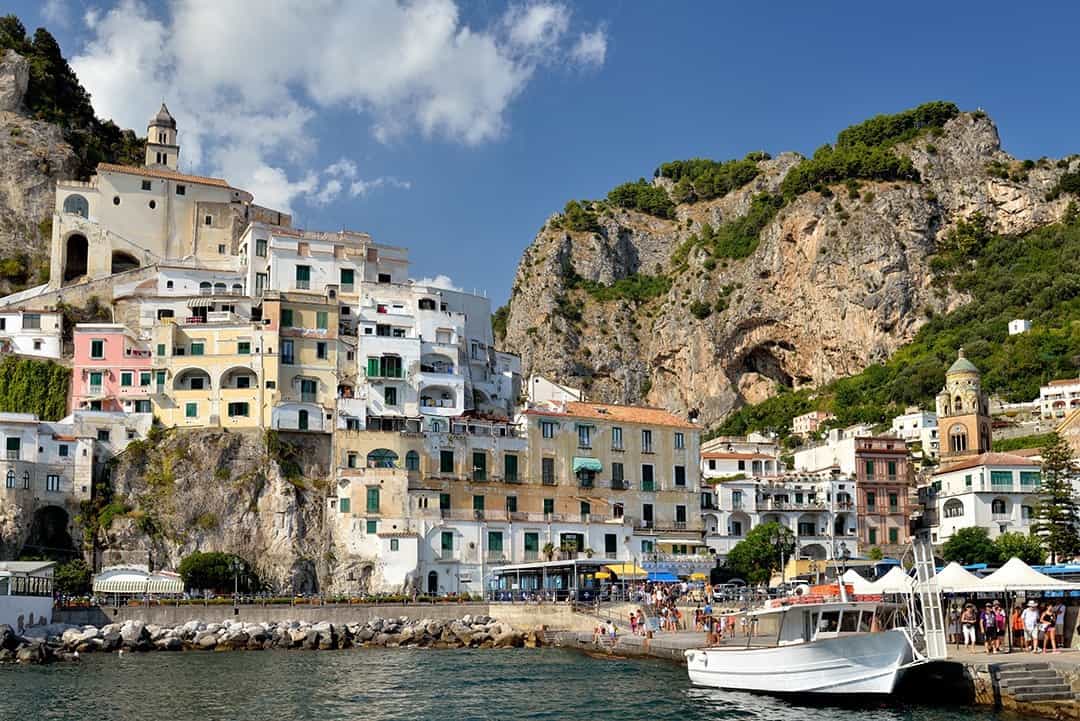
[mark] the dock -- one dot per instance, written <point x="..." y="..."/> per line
<point x="1042" y="685"/>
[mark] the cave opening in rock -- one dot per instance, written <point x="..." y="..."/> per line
<point x="49" y="536"/>
<point x="761" y="360"/>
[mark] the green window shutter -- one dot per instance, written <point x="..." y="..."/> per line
<point x="321" y="319"/>
<point x="144" y="378"/>
<point x="126" y="378"/>
<point x="191" y="410"/>
<point x="444" y="501"/>
<point x="95" y="379"/>
<point x="873" y="535"/>
<point x="373" y="367"/>
<point x="510" y="467"/>
<point x="894" y="535"/>
<point x="495" y="541"/>
<point x="1001" y="478"/>
<point x="511" y="504"/>
<point x="586" y="508"/>
<point x="303" y="272"/>
<point x="1030" y="478"/>
<point x="161" y="378"/>
<point x="197" y="349"/>
<point x="343" y="505"/>
<point x="372" y="526"/>
<point x="243" y="347"/>
<point x="97" y="349"/>
<point x="532" y="542"/>
<point x="286" y="317"/>
<point x="161" y="349"/>
<point x="373" y="500"/>
<point x="446" y="461"/>
<point x="869" y="469"/>
<point x="447" y="541"/>
<point x="549" y="505"/>
<point x="347" y="275"/>
<point x="478" y="503"/>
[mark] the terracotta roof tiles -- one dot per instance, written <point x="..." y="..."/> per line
<point x="623" y="414"/>
<point x="162" y="173"/>
<point x="988" y="459"/>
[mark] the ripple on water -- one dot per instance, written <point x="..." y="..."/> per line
<point x="393" y="684"/>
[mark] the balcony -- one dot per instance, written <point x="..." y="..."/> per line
<point x="620" y="486"/>
<point x="548" y="481"/>
<point x="495" y="557"/>
<point x="649" y="486"/>
<point x="93" y="390"/>
<point x="12" y="455"/>
<point x="999" y="517"/>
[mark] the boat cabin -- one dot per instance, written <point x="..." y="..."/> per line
<point x="803" y="623"/>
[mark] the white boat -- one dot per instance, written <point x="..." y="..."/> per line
<point x="832" y="645"/>
<point x="828" y="647"/>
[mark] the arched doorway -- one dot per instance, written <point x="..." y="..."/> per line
<point x="433" y="583"/>
<point x="302" y="420"/>
<point x="49" y="535"/>
<point x="75" y="254"/>
<point x="122" y="261"/>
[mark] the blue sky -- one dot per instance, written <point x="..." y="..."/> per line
<point x="456" y="129"/>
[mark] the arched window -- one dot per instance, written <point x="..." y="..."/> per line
<point x="238" y="289"/>
<point x="958" y="442"/>
<point x="436" y="426"/>
<point x="302" y="420"/>
<point x="26" y="479"/>
<point x="10" y="478"/>
<point x="412" y="461"/>
<point x="954" y="508"/>
<point x="617" y="510"/>
<point x="382" y="458"/>
<point x="958" y="404"/>
<point x="219" y="287"/>
<point x="205" y="287"/>
<point x="1026" y="512"/>
<point x="984" y="438"/>
<point x="169" y="284"/>
<point x="77" y="205"/>
<point x="997" y="506"/>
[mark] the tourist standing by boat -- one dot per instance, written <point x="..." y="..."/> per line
<point x="968" y="619"/>
<point x="988" y="621"/>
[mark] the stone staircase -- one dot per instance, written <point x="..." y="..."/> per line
<point x="1033" y="682"/>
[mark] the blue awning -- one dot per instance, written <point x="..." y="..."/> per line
<point x="588" y="464"/>
<point x="663" y="577"/>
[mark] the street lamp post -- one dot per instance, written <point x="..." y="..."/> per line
<point x="236" y="582"/>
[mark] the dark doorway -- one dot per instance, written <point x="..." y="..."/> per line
<point x="75" y="257"/>
<point x="433" y="583"/>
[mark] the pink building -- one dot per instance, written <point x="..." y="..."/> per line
<point x="111" y="370"/>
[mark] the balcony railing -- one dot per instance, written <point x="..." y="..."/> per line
<point x="548" y="480"/>
<point x="620" y="486"/>
<point x="12" y="455"/>
<point x="648" y="485"/>
<point x="532" y="555"/>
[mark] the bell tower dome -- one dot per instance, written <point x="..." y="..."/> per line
<point x="963" y="412"/>
<point x="161" y="147"/>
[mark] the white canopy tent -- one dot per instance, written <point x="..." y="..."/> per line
<point x="131" y="581"/>
<point x="1016" y="575"/>
<point x="954" y="578"/>
<point x="895" y="581"/>
<point x="858" y="584"/>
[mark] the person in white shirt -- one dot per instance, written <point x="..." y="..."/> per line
<point x="1030" y="616"/>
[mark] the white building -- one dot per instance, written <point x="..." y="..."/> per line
<point x="541" y="390"/>
<point x="31" y="333"/>
<point x="995" y="491"/>
<point x="1018" y="326"/>
<point x="809" y="422"/>
<point x="918" y="426"/>
<point x="1058" y="398"/>
<point x="749" y="456"/>
<point x="819" y="509"/>
<point x="836" y="451"/>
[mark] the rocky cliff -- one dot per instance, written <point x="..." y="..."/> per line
<point x="256" y="495"/>
<point x="840" y="277"/>
<point x="33" y="156"/>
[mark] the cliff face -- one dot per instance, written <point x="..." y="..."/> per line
<point x="835" y="283"/>
<point x="33" y="155"/>
<point x="221" y="491"/>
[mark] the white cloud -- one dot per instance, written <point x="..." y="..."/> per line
<point x="590" y="48"/>
<point x="439" y="281"/>
<point x="56" y="13"/>
<point x="244" y="80"/>
<point x="328" y="194"/>
<point x="363" y="187"/>
<point x="344" y="168"/>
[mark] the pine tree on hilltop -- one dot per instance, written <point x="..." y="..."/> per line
<point x="1056" y="515"/>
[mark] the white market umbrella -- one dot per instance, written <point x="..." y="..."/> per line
<point x="954" y="578"/>
<point x="1016" y="575"/>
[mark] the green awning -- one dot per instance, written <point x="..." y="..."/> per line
<point x="588" y="464"/>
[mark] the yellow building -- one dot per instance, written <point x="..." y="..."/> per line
<point x="308" y="377"/>
<point x="215" y="373"/>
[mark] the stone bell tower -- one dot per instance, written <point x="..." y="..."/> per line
<point x="963" y="412"/>
<point x="161" y="147"/>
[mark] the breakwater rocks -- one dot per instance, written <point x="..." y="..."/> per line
<point x="60" y="642"/>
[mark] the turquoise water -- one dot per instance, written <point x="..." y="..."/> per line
<point x="390" y="684"/>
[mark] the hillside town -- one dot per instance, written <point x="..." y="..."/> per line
<point x="448" y="467"/>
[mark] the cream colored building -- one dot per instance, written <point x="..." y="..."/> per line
<point x="127" y="217"/>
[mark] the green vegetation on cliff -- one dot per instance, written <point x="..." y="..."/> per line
<point x="701" y="179"/>
<point x="644" y="197"/>
<point x="865" y="151"/>
<point x="735" y="239"/>
<point x="55" y="95"/>
<point x="638" y="287"/>
<point x="1034" y="276"/>
<point x="34" y="386"/>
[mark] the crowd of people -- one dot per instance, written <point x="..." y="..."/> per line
<point x="1035" y="627"/>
